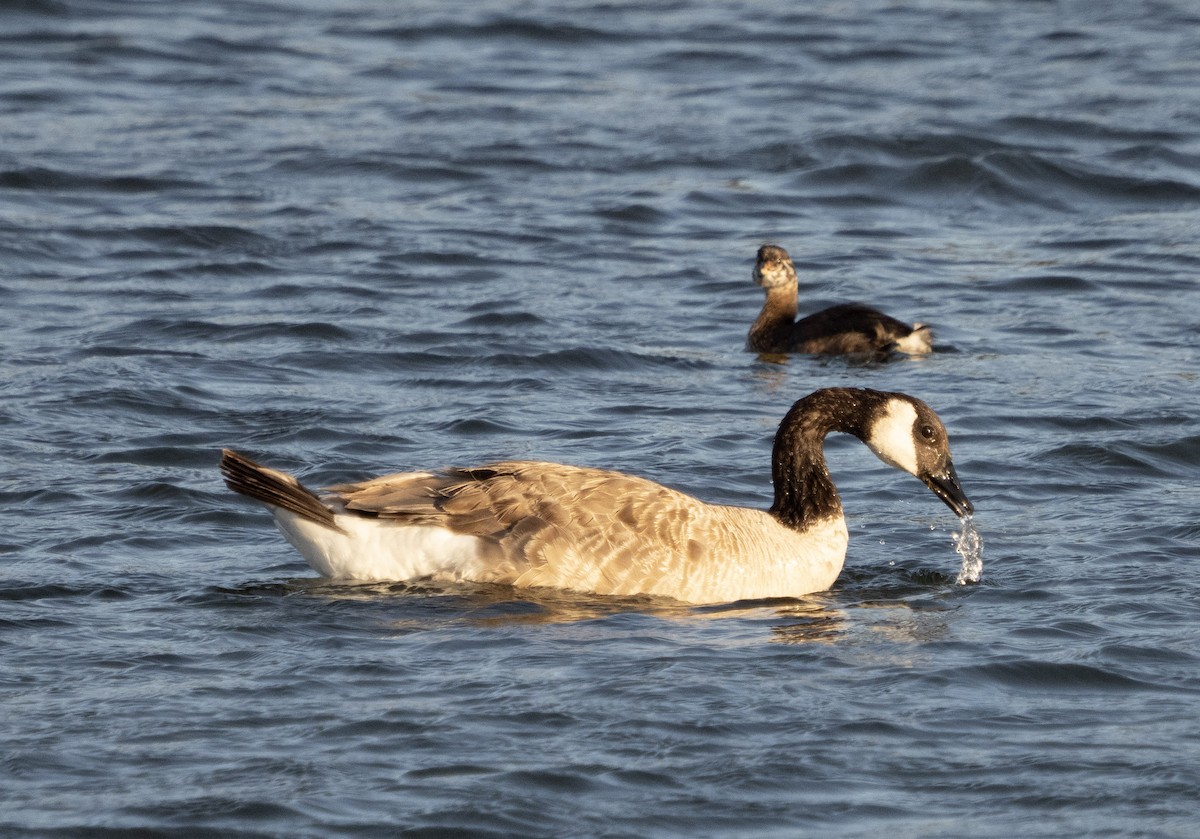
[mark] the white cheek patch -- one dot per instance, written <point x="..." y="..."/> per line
<point x="892" y="436"/>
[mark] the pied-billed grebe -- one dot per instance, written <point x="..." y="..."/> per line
<point x="847" y="329"/>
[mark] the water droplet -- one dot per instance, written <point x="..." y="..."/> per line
<point x="969" y="545"/>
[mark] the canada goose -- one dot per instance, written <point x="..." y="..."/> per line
<point x="847" y="329"/>
<point x="526" y="523"/>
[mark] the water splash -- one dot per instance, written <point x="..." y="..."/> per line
<point x="969" y="545"/>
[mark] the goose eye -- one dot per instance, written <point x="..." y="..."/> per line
<point x="927" y="432"/>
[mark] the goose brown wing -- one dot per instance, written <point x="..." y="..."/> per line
<point x="553" y="524"/>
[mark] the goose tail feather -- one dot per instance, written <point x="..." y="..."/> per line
<point x="274" y="488"/>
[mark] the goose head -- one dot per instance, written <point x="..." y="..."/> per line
<point x="773" y="268"/>
<point x="905" y="433"/>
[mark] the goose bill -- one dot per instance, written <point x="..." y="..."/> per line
<point x="945" y="486"/>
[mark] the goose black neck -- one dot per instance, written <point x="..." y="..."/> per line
<point x="804" y="492"/>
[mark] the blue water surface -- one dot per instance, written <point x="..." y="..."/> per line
<point x="358" y="237"/>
